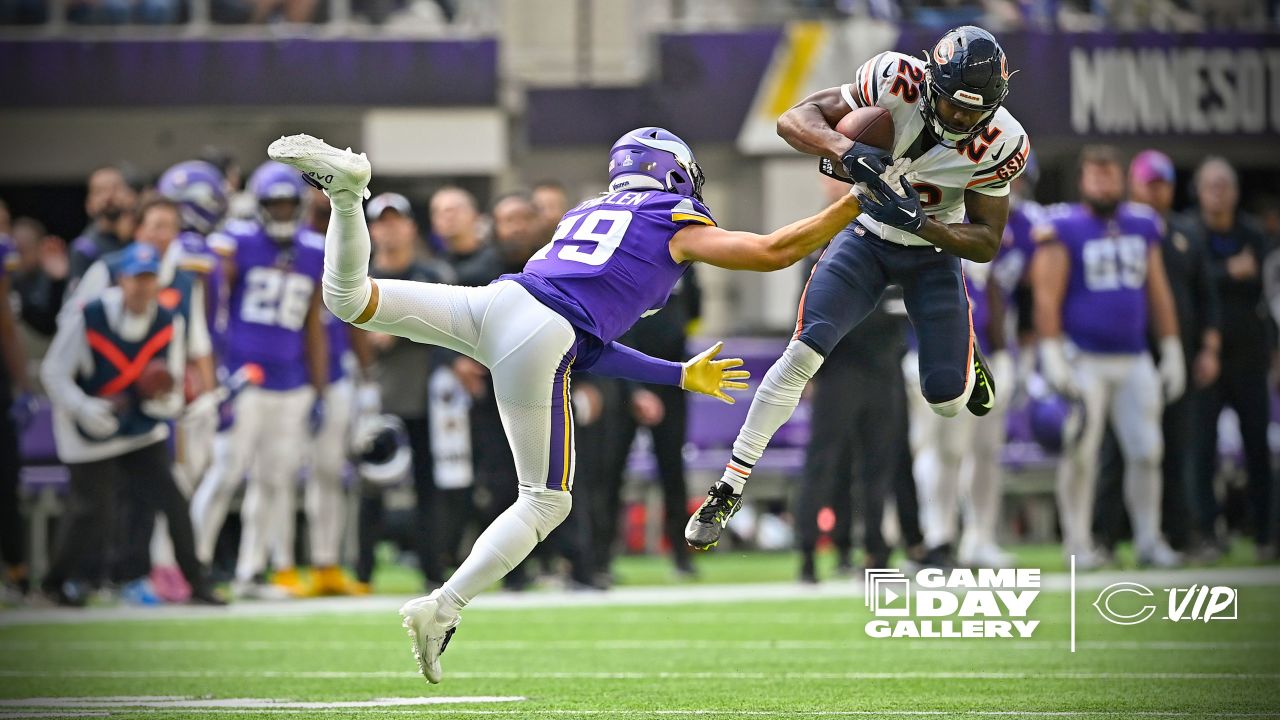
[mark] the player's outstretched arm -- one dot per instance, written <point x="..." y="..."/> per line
<point x="703" y="373"/>
<point x="735" y="250"/>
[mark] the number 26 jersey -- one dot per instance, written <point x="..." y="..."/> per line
<point x="608" y="263"/>
<point x="269" y="300"/>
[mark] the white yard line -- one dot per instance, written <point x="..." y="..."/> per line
<point x="269" y="707"/>
<point x="258" y="703"/>
<point x="626" y="675"/>
<point x="639" y="596"/>
<point x="851" y="644"/>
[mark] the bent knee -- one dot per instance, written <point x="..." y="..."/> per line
<point x="945" y="391"/>
<point x="549" y="508"/>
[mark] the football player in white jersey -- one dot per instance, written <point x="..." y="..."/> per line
<point x="955" y="151"/>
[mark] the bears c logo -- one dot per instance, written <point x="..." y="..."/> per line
<point x="1004" y="67"/>
<point x="943" y="51"/>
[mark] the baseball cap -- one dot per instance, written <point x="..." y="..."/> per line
<point x="1151" y="165"/>
<point x="388" y="201"/>
<point x="139" y="258"/>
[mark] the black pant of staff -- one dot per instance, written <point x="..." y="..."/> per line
<point x="89" y="527"/>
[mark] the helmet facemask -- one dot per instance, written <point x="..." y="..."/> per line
<point x="946" y="135"/>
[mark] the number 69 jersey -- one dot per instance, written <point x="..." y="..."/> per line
<point x="1105" y="308"/>
<point x="608" y="264"/>
<point x="269" y="299"/>
<point x="941" y="174"/>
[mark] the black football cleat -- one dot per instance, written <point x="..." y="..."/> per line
<point x="703" y="530"/>
<point x="983" y="397"/>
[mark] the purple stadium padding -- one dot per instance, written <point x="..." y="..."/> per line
<point x="36" y="445"/>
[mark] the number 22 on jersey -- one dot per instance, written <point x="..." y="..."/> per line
<point x="590" y="239"/>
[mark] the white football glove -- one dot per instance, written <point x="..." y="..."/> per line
<point x="95" y="416"/>
<point x="1172" y="368"/>
<point x="1055" y="368"/>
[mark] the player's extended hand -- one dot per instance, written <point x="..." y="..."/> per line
<point x="888" y="208"/>
<point x="704" y="374"/>
<point x="865" y="163"/>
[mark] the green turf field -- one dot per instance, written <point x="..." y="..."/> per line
<point x="741" y="657"/>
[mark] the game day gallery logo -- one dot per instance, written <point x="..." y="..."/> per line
<point x="959" y="603"/>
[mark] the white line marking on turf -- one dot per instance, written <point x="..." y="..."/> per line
<point x="256" y="703"/>
<point x="852" y="644"/>
<point x="420" y="711"/>
<point x="637" y="596"/>
<point x="43" y="714"/>
<point x="627" y="675"/>
<point x="1073" y="603"/>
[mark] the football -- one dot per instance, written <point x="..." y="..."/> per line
<point x="155" y="380"/>
<point x="868" y="125"/>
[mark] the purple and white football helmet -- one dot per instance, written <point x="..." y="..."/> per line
<point x="651" y="158"/>
<point x="1056" y="420"/>
<point x="200" y="192"/>
<point x="272" y="182"/>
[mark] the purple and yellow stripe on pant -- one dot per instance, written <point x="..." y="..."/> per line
<point x="560" y="457"/>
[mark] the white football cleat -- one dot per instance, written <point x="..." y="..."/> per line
<point x="323" y="165"/>
<point x="430" y="636"/>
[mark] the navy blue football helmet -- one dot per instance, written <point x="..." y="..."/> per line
<point x="967" y="67"/>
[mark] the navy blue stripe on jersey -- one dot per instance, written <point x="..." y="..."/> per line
<point x="875" y="82"/>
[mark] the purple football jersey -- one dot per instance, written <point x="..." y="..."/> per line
<point x="608" y="263"/>
<point x="269" y="301"/>
<point x="977" y="281"/>
<point x="1105" y="309"/>
<point x="1013" y="259"/>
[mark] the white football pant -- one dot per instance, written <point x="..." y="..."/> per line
<point x="1125" y="390"/>
<point x="266" y="440"/>
<point x="325" y="500"/>
<point x="954" y="459"/>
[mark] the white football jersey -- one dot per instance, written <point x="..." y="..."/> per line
<point x="941" y="175"/>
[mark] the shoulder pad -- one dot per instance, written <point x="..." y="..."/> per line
<point x="689" y="210"/>
<point x="311" y="239"/>
<point x="873" y="79"/>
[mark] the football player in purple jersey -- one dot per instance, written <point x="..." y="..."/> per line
<point x="1100" y="292"/>
<point x="611" y="260"/>
<point x="272" y="265"/>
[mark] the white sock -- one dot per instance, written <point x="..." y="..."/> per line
<point x="775" y="401"/>
<point x="502" y="546"/>
<point x="346" y="257"/>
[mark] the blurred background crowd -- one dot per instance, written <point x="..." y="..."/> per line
<point x="483" y="130"/>
<point x="484" y="15"/>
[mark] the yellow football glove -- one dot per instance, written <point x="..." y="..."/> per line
<point x="704" y="374"/>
